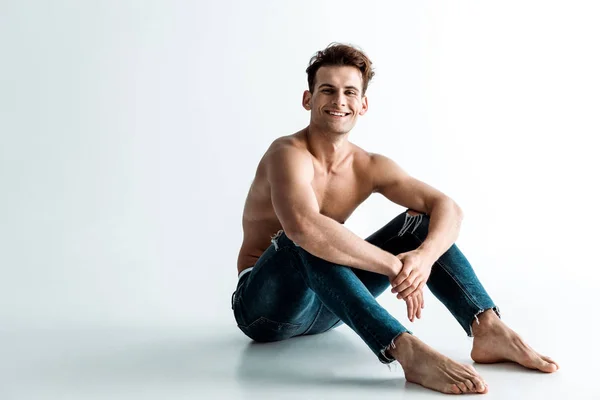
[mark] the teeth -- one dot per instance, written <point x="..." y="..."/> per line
<point x="338" y="114"/>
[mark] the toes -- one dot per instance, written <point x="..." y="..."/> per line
<point x="541" y="363"/>
<point x="551" y="361"/>
<point x="474" y="382"/>
<point x="547" y="366"/>
<point x="470" y="385"/>
<point x="462" y="387"/>
<point x="454" y="389"/>
<point x="480" y="386"/>
<point x="537" y="361"/>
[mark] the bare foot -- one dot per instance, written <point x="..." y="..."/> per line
<point x="495" y="342"/>
<point x="431" y="369"/>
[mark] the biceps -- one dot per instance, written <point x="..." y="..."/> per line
<point x="411" y="193"/>
<point x="294" y="204"/>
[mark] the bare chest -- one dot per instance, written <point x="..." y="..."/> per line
<point x="339" y="195"/>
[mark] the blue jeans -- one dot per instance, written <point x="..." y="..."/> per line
<point x="290" y="292"/>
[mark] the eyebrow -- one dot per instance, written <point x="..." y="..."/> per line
<point x="330" y="85"/>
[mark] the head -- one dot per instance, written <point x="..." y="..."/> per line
<point x="338" y="78"/>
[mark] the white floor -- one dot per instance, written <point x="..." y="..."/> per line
<point x="130" y="131"/>
<point x="217" y="361"/>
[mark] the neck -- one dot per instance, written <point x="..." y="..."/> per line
<point x="329" y="148"/>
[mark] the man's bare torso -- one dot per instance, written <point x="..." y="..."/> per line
<point x="339" y="192"/>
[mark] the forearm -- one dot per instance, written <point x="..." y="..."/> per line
<point x="444" y="226"/>
<point x="331" y="241"/>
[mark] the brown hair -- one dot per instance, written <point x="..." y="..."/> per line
<point x="339" y="55"/>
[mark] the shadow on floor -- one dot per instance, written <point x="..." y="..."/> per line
<point x="329" y="359"/>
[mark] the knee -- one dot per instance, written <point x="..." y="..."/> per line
<point x="412" y="213"/>
<point x="416" y="223"/>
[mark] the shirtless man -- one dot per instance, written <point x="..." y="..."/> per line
<point x="301" y="272"/>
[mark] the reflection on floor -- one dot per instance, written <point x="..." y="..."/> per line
<point x="220" y="362"/>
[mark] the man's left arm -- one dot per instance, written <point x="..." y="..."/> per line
<point x="445" y="217"/>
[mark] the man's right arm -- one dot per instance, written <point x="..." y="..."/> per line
<point x="290" y="174"/>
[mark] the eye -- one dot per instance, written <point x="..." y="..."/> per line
<point x="351" y="92"/>
<point x="326" y="90"/>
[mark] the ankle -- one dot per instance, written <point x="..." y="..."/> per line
<point x="485" y="322"/>
<point x="403" y="347"/>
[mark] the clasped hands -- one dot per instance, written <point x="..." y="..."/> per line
<point x="408" y="278"/>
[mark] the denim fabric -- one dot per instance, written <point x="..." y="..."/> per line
<point x="291" y="292"/>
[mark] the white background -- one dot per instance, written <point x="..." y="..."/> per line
<point x="130" y="132"/>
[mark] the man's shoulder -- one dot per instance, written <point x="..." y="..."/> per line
<point x="294" y="140"/>
<point x="373" y="165"/>
<point x="377" y="159"/>
<point x="289" y="145"/>
<point x="366" y="159"/>
<point x="286" y="152"/>
<point x="294" y="145"/>
<point x="361" y="153"/>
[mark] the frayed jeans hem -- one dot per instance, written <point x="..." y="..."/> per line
<point x="384" y="355"/>
<point x="476" y="319"/>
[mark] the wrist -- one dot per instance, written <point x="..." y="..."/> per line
<point x="428" y="254"/>
<point x="394" y="266"/>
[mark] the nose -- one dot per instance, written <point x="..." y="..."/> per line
<point x="339" y="99"/>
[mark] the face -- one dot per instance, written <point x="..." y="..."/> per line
<point x="337" y="99"/>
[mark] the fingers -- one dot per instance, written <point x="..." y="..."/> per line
<point x="417" y="286"/>
<point x="421" y="297"/>
<point x="401" y="277"/>
<point x="410" y="308"/>
<point x="417" y="307"/>
<point x="409" y="291"/>
<point x="408" y="282"/>
<point x="417" y="302"/>
<point x="414" y="282"/>
<point x="414" y="305"/>
<point x="405" y="290"/>
<point x="420" y="306"/>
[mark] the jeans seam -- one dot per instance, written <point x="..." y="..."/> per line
<point x="374" y="337"/>
<point x="458" y="283"/>
<point x="316" y="317"/>
<point x="397" y="235"/>
<point x="263" y="318"/>
<point x="237" y="297"/>
<point x="389" y="240"/>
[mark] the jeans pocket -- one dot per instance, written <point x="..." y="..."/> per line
<point x="267" y="330"/>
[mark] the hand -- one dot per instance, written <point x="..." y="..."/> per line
<point x="416" y="268"/>
<point x="414" y="304"/>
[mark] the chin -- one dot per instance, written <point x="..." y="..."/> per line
<point x="341" y="129"/>
<point x="344" y="130"/>
<point x="341" y="132"/>
<point x="335" y="128"/>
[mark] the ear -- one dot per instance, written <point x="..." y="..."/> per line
<point x="306" y="97"/>
<point x="365" y="106"/>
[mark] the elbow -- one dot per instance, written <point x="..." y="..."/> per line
<point x="296" y="230"/>
<point x="294" y="233"/>
<point x="448" y="203"/>
<point x="459" y="212"/>
<point x="301" y="229"/>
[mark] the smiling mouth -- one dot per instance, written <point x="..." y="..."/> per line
<point x="337" y="114"/>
